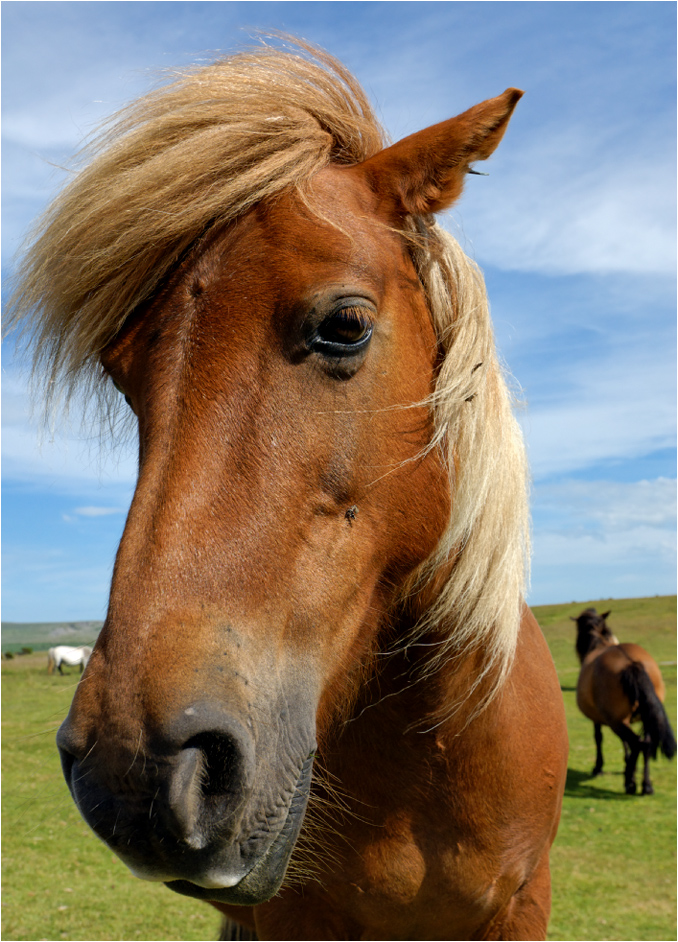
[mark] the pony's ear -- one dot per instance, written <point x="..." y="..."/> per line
<point x="605" y="614"/>
<point x="424" y="173"/>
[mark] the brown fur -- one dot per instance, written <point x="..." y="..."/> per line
<point x="324" y="554"/>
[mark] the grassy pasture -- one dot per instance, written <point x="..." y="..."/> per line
<point x="59" y="881"/>
<point x="613" y="863"/>
<point x="614" y="860"/>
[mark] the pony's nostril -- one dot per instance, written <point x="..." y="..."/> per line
<point x="221" y="763"/>
<point x="207" y="787"/>
<point x="185" y="799"/>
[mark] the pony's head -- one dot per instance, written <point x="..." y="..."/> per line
<point x="592" y="632"/>
<point x="328" y="464"/>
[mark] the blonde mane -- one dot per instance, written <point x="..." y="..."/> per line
<point x="485" y="551"/>
<point x="199" y="152"/>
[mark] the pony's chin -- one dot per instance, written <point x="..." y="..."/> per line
<point x="211" y="880"/>
<point x="258" y="885"/>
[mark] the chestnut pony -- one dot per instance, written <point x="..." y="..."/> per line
<point x="620" y="683"/>
<point x="317" y="599"/>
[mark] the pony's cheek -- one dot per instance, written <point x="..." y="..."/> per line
<point x="409" y="510"/>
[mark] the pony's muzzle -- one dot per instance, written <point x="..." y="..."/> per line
<point x="207" y="758"/>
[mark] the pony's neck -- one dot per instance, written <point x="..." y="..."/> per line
<point x="412" y="690"/>
<point x="592" y="642"/>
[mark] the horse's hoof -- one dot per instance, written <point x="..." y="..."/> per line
<point x="631" y="788"/>
<point x="647" y="790"/>
<point x="596" y="772"/>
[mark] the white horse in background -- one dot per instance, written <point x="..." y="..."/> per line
<point x="63" y="654"/>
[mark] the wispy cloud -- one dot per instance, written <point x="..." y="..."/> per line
<point x="98" y="511"/>
<point x="62" y="585"/>
<point x="618" y="404"/>
<point x="603" y="539"/>
<point x="577" y="208"/>
<point x="610" y="506"/>
<point x="66" y="455"/>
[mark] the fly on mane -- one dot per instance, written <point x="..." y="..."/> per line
<point x="198" y="153"/>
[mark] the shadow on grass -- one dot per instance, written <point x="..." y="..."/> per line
<point x="577" y="786"/>
<point x="568" y="689"/>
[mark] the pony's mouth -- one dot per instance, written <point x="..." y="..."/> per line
<point x="265" y="877"/>
<point x="245" y="868"/>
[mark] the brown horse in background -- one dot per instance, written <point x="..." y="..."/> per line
<point x="317" y="599"/>
<point x="618" y="684"/>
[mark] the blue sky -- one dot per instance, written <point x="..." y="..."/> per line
<point x="574" y="229"/>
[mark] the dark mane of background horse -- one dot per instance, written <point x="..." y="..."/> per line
<point x="592" y="631"/>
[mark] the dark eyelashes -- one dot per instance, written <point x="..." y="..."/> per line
<point x="343" y="333"/>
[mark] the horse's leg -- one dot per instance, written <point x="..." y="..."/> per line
<point x="632" y="747"/>
<point x="527" y="914"/>
<point x="598" y="736"/>
<point x="647" y="750"/>
<point x="60" y="667"/>
<point x="630" y="767"/>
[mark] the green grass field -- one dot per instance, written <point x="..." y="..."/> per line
<point x="614" y="860"/>
<point x="613" y="864"/>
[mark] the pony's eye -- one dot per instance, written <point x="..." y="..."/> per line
<point x="346" y="331"/>
<point x="122" y="393"/>
<point x="348" y="326"/>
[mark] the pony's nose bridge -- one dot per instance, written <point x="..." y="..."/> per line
<point x="211" y="777"/>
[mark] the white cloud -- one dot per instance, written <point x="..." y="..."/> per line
<point x="98" y="511"/>
<point x="54" y="585"/>
<point x="63" y="458"/>
<point x="575" y="209"/>
<point x="620" y="407"/>
<point x="611" y="505"/>
<point x="603" y="539"/>
<point x="568" y="438"/>
<point x="62" y="461"/>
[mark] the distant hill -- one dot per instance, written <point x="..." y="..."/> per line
<point x="43" y="635"/>
<point x="628" y="617"/>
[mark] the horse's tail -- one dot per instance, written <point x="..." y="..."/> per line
<point x="638" y="687"/>
<point x="50" y="661"/>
